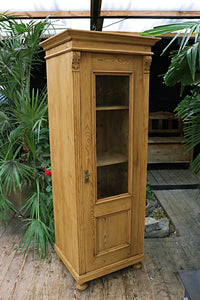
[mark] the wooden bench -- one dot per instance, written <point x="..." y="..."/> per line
<point x="165" y="142"/>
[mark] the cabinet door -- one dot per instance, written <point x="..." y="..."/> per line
<point x="107" y="101"/>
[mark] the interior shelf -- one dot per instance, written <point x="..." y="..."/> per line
<point x="114" y="107"/>
<point x="110" y="158"/>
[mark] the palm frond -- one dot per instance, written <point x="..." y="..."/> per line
<point x="196" y="164"/>
<point x="39" y="234"/>
<point x="5" y="124"/>
<point x="188" y="28"/>
<point x="6" y="207"/>
<point x="169" y="28"/>
<point x="13" y="173"/>
<point x="40" y="225"/>
<point x="192" y="58"/>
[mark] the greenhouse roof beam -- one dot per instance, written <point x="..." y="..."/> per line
<point x="163" y="14"/>
<point x="107" y="14"/>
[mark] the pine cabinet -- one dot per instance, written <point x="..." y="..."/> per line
<point x="98" y="86"/>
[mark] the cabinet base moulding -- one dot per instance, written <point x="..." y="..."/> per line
<point x="83" y="278"/>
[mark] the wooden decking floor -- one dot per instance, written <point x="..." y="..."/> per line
<point x="166" y="257"/>
<point x="23" y="278"/>
<point x="172" y="178"/>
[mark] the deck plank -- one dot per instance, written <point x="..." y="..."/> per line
<point x="113" y="286"/>
<point x="135" y="284"/>
<point x="26" y="277"/>
<point x="166" y="257"/>
<point x="45" y="283"/>
<point x="164" y="274"/>
<point x="188" y="176"/>
<point x="155" y="272"/>
<point x="9" y="242"/>
<point x="67" y="288"/>
<point x="159" y="177"/>
<point x="2" y="226"/>
<point x="177" y="177"/>
<point x="151" y="178"/>
<point x="11" y="278"/>
<point x="96" y="290"/>
<point x="177" y="204"/>
<point x="191" y="250"/>
<point x="180" y="253"/>
<point x="167" y="176"/>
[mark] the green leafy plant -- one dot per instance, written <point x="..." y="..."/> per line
<point x="24" y="134"/>
<point x="184" y="69"/>
<point x="149" y="192"/>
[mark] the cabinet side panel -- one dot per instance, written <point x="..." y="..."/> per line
<point x="140" y="137"/>
<point x="61" y="126"/>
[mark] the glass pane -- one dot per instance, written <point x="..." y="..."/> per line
<point x="112" y="180"/>
<point x="112" y="132"/>
<point x="112" y="90"/>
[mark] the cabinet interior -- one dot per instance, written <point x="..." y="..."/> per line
<point x="112" y="134"/>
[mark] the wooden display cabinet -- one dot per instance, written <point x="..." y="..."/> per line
<point x="98" y="85"/>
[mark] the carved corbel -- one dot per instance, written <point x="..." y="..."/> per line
<point x="147" y="64"/>
<point x="76" y="56"/>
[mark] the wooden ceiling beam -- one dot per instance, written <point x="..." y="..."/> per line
<point x="50" y="14"/>
<point x="156" y="14"/>
<point x="162" y="14"/>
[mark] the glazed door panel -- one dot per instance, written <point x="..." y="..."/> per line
<point x="107" y="156"/>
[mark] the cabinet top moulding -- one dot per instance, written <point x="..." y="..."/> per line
<point x="94" y="41"/>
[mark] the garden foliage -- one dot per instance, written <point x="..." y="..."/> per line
<point x="184" y="69"/>
<point x="24" y="135"/>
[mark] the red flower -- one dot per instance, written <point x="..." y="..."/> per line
<point x="47" y="172"/>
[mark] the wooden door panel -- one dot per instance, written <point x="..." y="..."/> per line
<point x="108" y="222"/>
<point x="112" y="232"/>
<point x="112" y="224"/>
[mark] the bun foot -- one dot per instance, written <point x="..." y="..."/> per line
<point x="81" y="287"/>
<point x="137" y="266"/>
